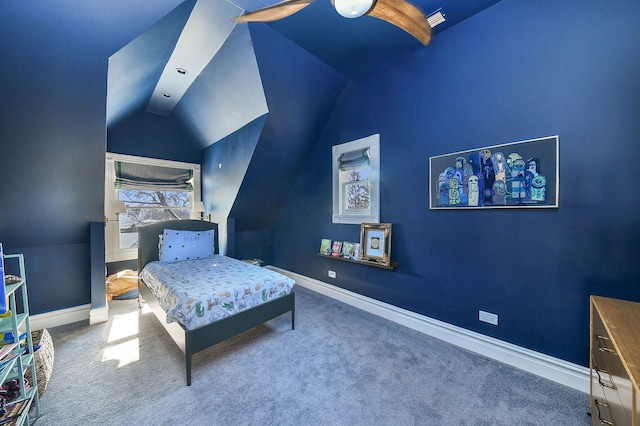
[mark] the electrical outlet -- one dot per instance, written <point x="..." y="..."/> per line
<point x="332" y="274"/>
<point x="488" y="317"/>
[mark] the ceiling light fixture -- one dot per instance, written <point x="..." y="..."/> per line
<point x="401" y="13"/>
<point x="436" y="18"/>
<point x="353" y="8"/>
<point x="181" y="71"/>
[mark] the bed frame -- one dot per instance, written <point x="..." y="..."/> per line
<point x="193" y="341"/>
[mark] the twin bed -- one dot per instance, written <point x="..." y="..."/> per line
<point x="199" y="296"/>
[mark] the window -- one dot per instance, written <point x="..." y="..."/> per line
<point x="356" y="181"/>
<point x="152" y="191"/>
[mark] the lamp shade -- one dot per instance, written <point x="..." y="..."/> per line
<point x="198" y="207"/>
<point x="353" y="8"/>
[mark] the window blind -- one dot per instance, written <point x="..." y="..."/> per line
<point x="144" y="176"/>
<point x="354" y="159"/>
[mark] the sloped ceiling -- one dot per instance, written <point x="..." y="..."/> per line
<point x="227" y="95"/>
<point x="356" y="46"/>
<point x="207" y="29"/>
<point x="297" y="116"/>
<point x="135" y="69"/>
<point x="215" y="98"/>
<point x="262" y="90"/>
<point x="175" y="69"/>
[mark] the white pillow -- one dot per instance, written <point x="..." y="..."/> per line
<point x="180" y="245"/>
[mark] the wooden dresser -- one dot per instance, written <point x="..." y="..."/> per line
<point x="615" y="362"/>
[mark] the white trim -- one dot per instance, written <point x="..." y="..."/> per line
<point x="373" y="214"/>
<point x="151" y="161"/>
<point x="113" y="253"/>
<point x="555" y="369"/>
<point x="98" y="315"/>
<point x="60" y="317"/>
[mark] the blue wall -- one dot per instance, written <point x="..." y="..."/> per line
<point x="224" y="165"/>
<point x="51" y="154"/>
<point x="517" y="71"/>
<point x="301" y="92"/>
<point x="154" y="136"/>
<point x="53" y="138"/>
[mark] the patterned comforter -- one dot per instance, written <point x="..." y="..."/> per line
<point x="198" y="292"/>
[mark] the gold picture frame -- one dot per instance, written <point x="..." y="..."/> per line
<point x="375" y="243"/>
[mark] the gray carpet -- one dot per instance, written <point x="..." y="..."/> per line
<point x="341" y="366"/>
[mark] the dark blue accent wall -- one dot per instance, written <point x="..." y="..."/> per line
<point x="53" y="137"/>
<point x="301" y="92"/>
<point x="519" y="70"/>
<point x="224" y="165"/>
<point x="154" y="136"/>
<point x="52" y="143"/>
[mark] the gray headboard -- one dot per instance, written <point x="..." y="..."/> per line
<point x="148" y="237"/>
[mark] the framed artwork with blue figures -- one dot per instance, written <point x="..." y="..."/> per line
<point x="520" y="174"/>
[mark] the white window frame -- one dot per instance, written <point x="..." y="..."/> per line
<point x="113" y="251"/>
<point x="372" y="215"/>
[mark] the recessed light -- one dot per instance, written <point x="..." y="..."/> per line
<point x="181" y="71"/>
<point x="166" y="95"/>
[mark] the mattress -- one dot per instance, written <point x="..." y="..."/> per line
<point x="195" y="293"/>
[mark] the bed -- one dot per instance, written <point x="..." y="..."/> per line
<point x="248" y="311"/>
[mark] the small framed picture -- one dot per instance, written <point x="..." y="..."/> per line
<point x="356" y="251"/>
<point x="375" y="242"/>
<point x="336" y="248"/>
<point x="325" y="246"/>
<point x="347" y="249"/>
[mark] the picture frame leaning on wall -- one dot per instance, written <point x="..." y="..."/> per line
<point x="375" y="243"/>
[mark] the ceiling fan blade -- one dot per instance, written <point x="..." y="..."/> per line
<point x="274" y="12"/>
<point x="403" y="15"/>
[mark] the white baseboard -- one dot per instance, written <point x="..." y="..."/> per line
<point x="98" y="315"/>
<point x="60" y="317"/>
<point x="555" y="369"/>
